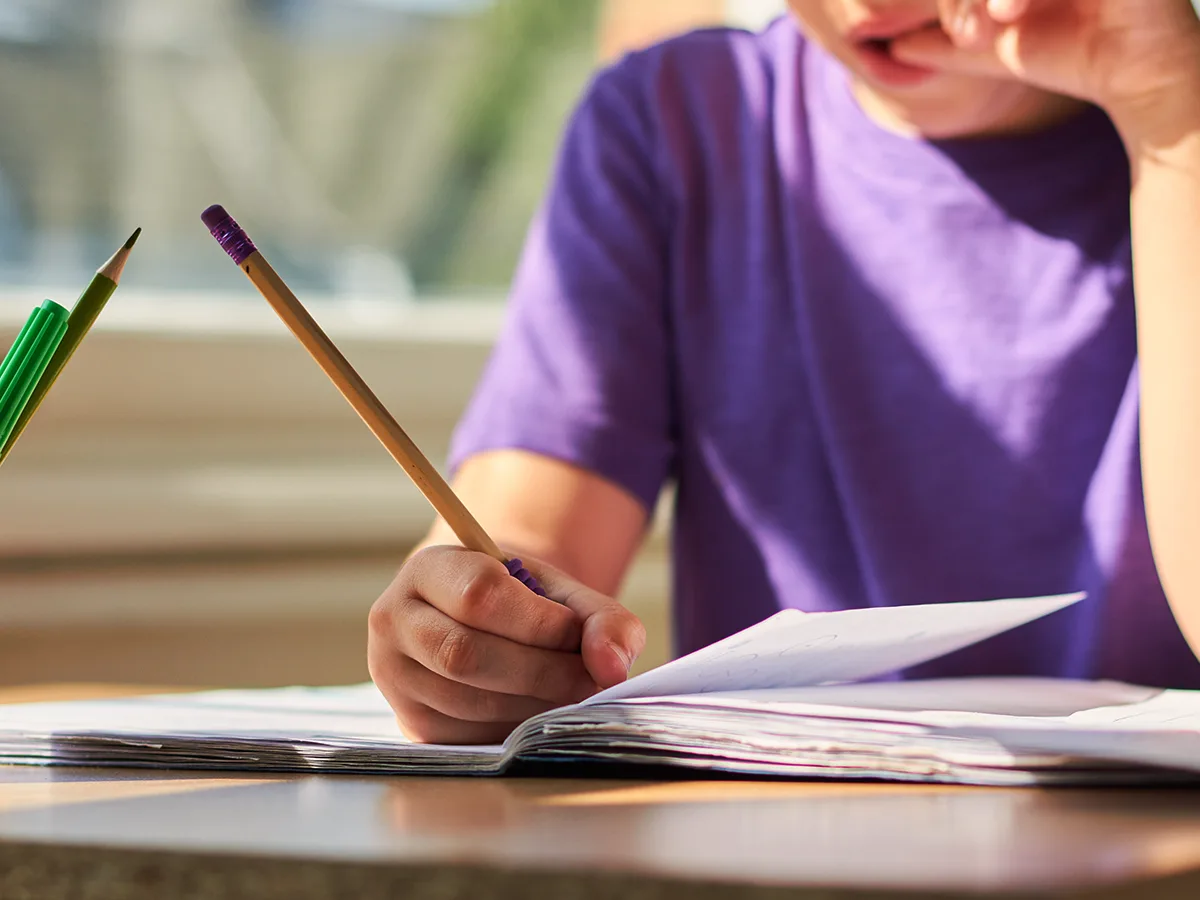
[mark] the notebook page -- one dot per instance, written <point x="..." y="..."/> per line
<point x="1024" y="696"/>
<point x="979" y="730"/>
<point x="354" y="717"/>
<point x="1095" y="720"/>
<point x="795" y="649"/>
<point x="1161" y="728"/>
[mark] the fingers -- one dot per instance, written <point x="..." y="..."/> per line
<point x="479" y="592"/>
<point x="460" y="701"/>
<point x="428" y="726"/>
<point x="412" y="628"/>
<point x="929" y="46"/>
<point x="463" y="651"/>
<point x="613" y="637"/>
<point x="976" y="23"/>
<point x="966" y="22"/>
<point x="936" y="49"/>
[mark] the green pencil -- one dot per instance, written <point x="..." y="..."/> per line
<point x="84" y="313"/>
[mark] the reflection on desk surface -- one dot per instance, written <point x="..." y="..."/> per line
<point x="767" y="832"/>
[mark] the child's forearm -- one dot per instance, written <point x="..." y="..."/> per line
<point x="1164" y="148"/>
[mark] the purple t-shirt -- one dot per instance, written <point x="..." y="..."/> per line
<point x="879" y="370"/>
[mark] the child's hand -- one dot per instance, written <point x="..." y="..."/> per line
<point x="1130" y="57"/>
<point x="464" y="652"/>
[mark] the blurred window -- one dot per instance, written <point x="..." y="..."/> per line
<point x="371" y="147"/>
<point x="389" y="148"/>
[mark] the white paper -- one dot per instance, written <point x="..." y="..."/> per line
<point x="1162" y="730"/>
<point x="1103" y="722"/>
<point x="794" y="649"/>
<point x="977" y="731"/>
<point x="294" y="729"/>
<point x="759" y="702"/>
<point x="1021" y="696"/>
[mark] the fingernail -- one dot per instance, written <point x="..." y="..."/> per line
<point x="624" y="657"/>
<point x="1001" y="9"/>
<point x="966" y="25"/>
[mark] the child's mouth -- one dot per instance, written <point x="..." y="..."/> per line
<point x="875" y="54"/>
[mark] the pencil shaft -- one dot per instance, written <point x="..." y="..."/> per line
<point x="369" y="408"/>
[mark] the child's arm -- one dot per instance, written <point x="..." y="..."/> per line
<point x="552" y="511"/>
<point x="1164" y="145"/>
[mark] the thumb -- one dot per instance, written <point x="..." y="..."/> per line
<point x="613" y="637"/>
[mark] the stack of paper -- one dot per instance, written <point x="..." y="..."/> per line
<point x="780" y="698"/>
<point x="976" y="731"/>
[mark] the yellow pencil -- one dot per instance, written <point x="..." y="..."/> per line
<point x="234" y="240"/>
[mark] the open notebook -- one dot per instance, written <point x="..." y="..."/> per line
<point x="792" y="695"/>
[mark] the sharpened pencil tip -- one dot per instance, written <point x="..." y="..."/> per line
<point x="116" y="263"/>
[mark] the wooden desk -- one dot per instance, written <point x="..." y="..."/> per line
<point x="72" y="833"/>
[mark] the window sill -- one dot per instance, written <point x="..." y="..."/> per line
<point x="202" y="423"/>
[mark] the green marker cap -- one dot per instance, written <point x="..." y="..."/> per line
<point x="27" y="359"/>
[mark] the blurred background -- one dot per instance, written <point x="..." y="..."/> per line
<point x="195" y="504"/>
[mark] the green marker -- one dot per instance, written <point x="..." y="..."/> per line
<point x="79" y="322"/>
<point x="27" y="361"/>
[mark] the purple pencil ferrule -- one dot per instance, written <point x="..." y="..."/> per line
<point x="231" y="236"/>
<point x="518" y="571"/>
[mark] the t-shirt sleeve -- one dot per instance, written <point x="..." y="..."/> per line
<point x="580" y="371"/>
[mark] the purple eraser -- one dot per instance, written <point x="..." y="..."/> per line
<point x="518" y="571"/>
<point x="229" y="233"/>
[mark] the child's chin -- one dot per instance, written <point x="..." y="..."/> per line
<point x="947" y="107"/>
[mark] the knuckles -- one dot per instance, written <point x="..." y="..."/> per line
<point x="556" y="629"/>
<point x="381" y="618"/>
<point x="455" y="654"/>
<point x="483" y="706"/>
<point x="545" y="684"/>
<point x="479" y="599"/>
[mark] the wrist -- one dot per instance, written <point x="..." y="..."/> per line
<point x="1164" y="118"/>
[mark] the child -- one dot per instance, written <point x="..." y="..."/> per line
<point x="864" y="289"/>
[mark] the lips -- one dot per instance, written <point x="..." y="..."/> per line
<point x="872" y="42"/>
<point x="885" y="28"/>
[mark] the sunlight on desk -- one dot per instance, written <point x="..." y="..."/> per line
<point x="41" y="795"/>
